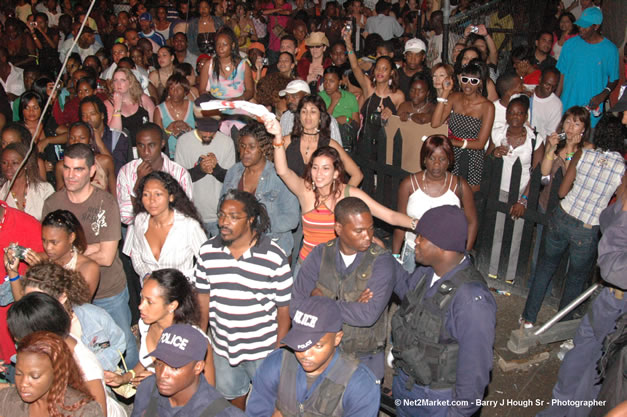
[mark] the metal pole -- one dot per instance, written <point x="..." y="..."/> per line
<point x="446" y="14"/>
<point x="570" y="307"/>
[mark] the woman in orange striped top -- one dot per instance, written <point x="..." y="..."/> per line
<point x="320" y="189"/>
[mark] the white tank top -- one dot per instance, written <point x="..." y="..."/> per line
<point x="419" y="202"/>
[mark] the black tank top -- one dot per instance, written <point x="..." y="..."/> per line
<point x="295" y="159"/>
<point x="133" y="122"/>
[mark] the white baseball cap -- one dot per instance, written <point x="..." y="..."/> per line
<point x="294" y="87"/>
<point x="415" y="45"/>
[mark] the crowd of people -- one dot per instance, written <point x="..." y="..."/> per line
<point x="223" y="262"/>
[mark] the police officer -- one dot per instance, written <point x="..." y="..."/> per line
<point x="358" y="274"/>
<point x="178" y="387"/>
<point x="313" y="377"/>
<point x="443" y="332"/>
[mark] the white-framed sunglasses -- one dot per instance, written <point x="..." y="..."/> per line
<point x="471" y="80"/>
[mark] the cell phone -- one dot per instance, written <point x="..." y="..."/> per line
<point x="33" y="24"/>
<point x="474" y="29"/>
<point x="348" y="26"/>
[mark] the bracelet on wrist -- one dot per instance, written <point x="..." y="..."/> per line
<point x="523" y="202"/>
<point x="278" y="145"/>
<point x="441" y="100"/>
<point x="414" y="223"/>
<point x="465" y="145"/>
<point x="17" y="277"/>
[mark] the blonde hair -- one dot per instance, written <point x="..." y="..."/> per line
<point x="135" y="88"/>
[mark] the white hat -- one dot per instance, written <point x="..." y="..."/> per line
<point x="294" y="87"/>
<point x="415" y="45"/>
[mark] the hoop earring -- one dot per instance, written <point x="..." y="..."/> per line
<point x="390" y="82"/>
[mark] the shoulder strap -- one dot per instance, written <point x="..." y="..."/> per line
<point x="347" y="192"/>
<point x="533" y="145"/>
<point x="216" y="407"/>
<point x="412" y="179"/>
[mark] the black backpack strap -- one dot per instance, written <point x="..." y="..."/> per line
<point x="216" y="407"/>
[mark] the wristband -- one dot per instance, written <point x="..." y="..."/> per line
<point x="465" y="144"/>
<point x="116" y="114"/>
<point x="350" y="52"/>
<point x="524" y="197"/>
<point x="15" y="279"/>
<point x="414" y="223"/>
<point x="278" y="145"/>
<point x="523" y="202"/>
<point x="441" y="100"/>
<point x="132" y="372"/>
<point x="609" y="90"/>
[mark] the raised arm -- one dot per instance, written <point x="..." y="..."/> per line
<point x="352" y="169"/>
<point x="444" y="106"/>
<point x="363" y="81"/>
<point x="289" y="177"/>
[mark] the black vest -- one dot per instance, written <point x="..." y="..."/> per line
<point x="423" y="348"/>
<point x="326" y="400"/>
<point x="348" y="287"/>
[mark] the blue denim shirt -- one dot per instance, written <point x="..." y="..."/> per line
<point x="282" y="206"/>
<point x="101" y="335"/>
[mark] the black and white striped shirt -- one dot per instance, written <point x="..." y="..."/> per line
<point x="245" y="295"/>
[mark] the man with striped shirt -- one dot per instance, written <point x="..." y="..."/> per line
<point x="250" y="281"/>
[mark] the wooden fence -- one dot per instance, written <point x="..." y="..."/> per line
<point x="384" y="180"/>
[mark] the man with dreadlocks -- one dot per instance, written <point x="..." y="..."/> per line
<point x="245" y="280"/>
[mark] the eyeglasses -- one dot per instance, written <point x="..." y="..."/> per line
<point x="316" y="46"/>
<point x="231" y="217"/>
<point x="471" y="80"/>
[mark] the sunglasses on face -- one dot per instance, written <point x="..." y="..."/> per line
<point x="471" y="80"/>
<point x="316" y="46"/>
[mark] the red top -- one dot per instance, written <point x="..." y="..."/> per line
<point x="25" y="230"/>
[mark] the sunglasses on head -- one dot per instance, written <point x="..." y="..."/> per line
<point x="471" y="80"/>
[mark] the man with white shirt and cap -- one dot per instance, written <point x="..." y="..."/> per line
<point x="443" y="332"/>
<point x="293" y="93"/>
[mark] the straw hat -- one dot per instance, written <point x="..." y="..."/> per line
<point x="316" y="38"/>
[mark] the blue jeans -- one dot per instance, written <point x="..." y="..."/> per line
<point x="564" y="233"/>
<point x="234" y="381"/>
<point x="117" y="307"/>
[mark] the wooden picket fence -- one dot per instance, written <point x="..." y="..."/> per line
<point x="383" y="181"/>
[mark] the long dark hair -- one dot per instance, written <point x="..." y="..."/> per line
<point x="325" y="121"/>
<point x="338" y="165"/>
<point x="393" y="72"/>
<point x="253" y="208"/>
<point x="66" y="220"/>
<point x="175" y="286"/>
<point x="609" y="134"/>
<point x="235" y="57"/>
<point x="25" y="98"/>
<point x="571" y="17"/>
<point x="180" y="202"/>
<point x="580" y="114"/>
<point x="31" y="168"/>
<point x="36" y="312"/>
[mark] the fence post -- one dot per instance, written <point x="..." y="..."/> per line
<point x="486" y="210"/>
<point x="531" y="219"/>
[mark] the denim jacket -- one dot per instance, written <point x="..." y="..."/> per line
<point x="101" y="335"/>
<point x="282" y="206"/>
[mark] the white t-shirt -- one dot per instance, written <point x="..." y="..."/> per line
<point x="523" y="152"/>
<point x="545" y="114"/>
<point x="92" y="370"/>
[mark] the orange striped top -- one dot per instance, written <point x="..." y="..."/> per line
<point x="318" y="227"/>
